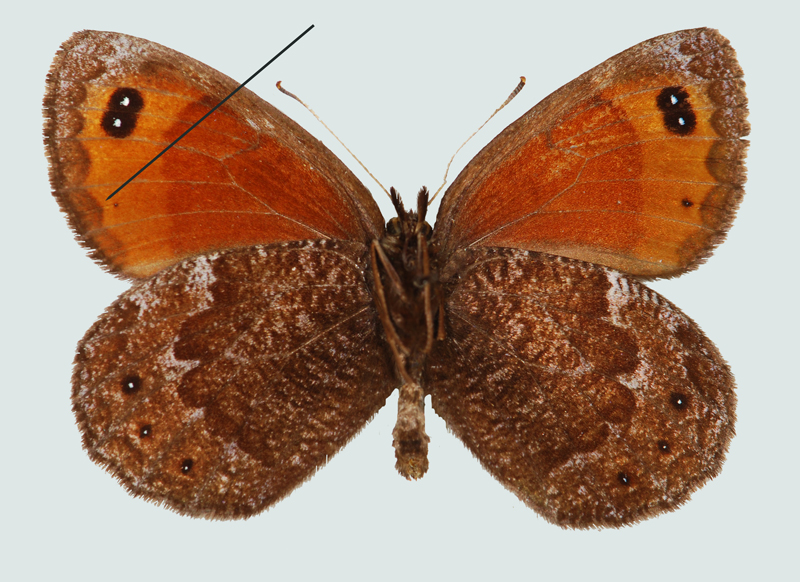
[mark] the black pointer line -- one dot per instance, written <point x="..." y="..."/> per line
<point x="217" y="106"/>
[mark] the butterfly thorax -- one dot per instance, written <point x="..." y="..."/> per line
<point x="408" y="299"/>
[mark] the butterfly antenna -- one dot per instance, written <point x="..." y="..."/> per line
<point x="311" y="111"/>
<point x="514" y="93"/>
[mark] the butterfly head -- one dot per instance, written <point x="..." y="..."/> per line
<point x="405" y="232"/>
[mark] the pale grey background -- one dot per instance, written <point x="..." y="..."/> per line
<point x="403" y="84"/>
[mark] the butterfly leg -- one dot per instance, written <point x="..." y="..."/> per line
<point x="399" y="349"/>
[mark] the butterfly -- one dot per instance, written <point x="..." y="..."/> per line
<point x="273" y="310"/>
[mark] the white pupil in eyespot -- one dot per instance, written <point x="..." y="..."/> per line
<point x="126" y="101"/>
<point x="672" y="99"/>
<point x="117" y="122"/>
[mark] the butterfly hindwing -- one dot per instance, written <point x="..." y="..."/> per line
<point x="243" y="372"/>
<point x="591" y="397"/>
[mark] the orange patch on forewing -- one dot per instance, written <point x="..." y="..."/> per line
<point x="610" y="184"/>
<point x="211" y="184"/>
<point x="672" y="178"/>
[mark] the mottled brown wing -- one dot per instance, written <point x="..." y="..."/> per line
<point x="591" y="397"/>
<point x="220" y="384"/>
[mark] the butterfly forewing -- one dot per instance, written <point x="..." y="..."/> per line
<point x="588" y="395"/>
<point x="636" y="164"/>
<point x="222" y="383"/>
<point x="246" y="175"/>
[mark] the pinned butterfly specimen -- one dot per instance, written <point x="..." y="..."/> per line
<point x="273" y="311"/>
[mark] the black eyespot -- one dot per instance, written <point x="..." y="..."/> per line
<point x="624" y="478"/>
<point x="122" y="112"/>
<point x="679" y="401"/>
<point x="131" y="384"/>
<point x="146" y="431"/>
<point x="687" y="203"/>
<point x="186" y="466"/>
<point x="663" y="447"/>
<point x="678" y="114"/>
